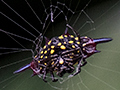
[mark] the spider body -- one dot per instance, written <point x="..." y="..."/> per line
<point x="61" y="53"/>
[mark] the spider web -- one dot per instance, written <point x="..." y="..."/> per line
<point x="22" y="21"/>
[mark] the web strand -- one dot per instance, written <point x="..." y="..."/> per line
<point x="20" y="17"/>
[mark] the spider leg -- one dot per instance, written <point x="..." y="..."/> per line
<point x="77" y="34"/>
<point x="61" y="72"/>
<point x="53" y="78"/>
<point x="66" y="32"/>
<point x="70" y="65"/>
<point x="44" y="75"/>
<point x="84" y="63"/>
<point x="71" y="69"/>
<point x="56" y="62"/>
<point x="78" y="69"/>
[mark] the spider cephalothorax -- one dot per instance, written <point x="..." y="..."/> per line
<point x="61" y="53"/>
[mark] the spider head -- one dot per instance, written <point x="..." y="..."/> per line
<point x="89" y="45"/>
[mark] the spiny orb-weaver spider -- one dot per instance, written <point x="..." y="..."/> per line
<point x="61" y="53"/>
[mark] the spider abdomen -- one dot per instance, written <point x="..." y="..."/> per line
<point x="60" y="51"/>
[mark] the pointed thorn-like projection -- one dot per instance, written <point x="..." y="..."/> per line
<point x="66" y="32"/>
<point x="101" y="40"/>
<point x="22" y="69"/>
<point x="96" y="51"/>
<point x="46" y="40"/>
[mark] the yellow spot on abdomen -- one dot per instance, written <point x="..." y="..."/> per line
<point x="60" y="37"/>
<point x="71" y="56"/>
<point x="45" y="56"/>
<point x="41" y="56"/>
<point x="52" y="51"/>
<point x="45" y="63"/>
<point x="70" y="42"/>
<point x="65" y="35"/>
<point x="78" y="42"/>
<point x="78" y="51"/>
<point x="45" y="52"/>
<point x="71" y="36"/>
<point x="72" y="53"/>
<point x="73" y="46"/>
<point x="76" y="38"/>
<point x="48" y="49"/>
<point x="59" y="44"/>
<point x="63" y="47"/>
<point x="84" y="49"/>
<point x="49" y="42"/>
<point x="64" y="42"/>
<point x="40" y="68"/>
<point x="84" y="45"/>
<point x="38" y="61"/>
<point x="35" y="56"/>
<point x="41" y="52"/>
<point x="52" y="63"/>
<point x="52" y="46"/>
<point x="44" y="47"/>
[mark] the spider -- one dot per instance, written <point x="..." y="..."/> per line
<point x="61" y="53"/>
